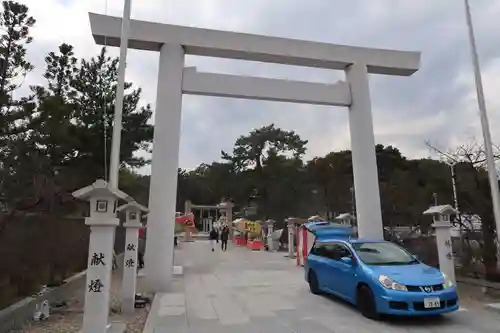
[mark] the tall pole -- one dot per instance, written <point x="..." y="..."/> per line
<point x="454" y="184"/>
<point x="353" y="206"/>
<point x="492" y="175"/>
<point x="114" y="166"/>
<point x="452" y="165"/>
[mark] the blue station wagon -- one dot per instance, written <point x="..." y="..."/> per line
<point x="378" y="277"/>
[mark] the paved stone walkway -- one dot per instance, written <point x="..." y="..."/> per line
<point x="241" y="291"/>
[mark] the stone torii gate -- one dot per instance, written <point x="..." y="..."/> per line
<point x="225" y="207"/>
<point x="174" y="42"/>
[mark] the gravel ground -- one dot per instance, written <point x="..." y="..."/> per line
<point x="473" y="296"/>
<point x="69" y="320"/>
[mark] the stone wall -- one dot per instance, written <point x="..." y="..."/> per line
<point x="19" y="313"/>
<point x="16" y="315"/>
<point x="38" y="250"/>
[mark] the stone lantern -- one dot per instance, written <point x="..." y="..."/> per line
<point x="102" y="221"/>
<point x="269" y="236"/>
<point x="226" y="208"/>
<point x="188" y="209"/>
<point x="132" y="224"/>
<point x="345" y="218"/>
<point x="442" y="224"/>
<point x="291" y="227"/>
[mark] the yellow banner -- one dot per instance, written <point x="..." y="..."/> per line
<point x="253" y="227"/>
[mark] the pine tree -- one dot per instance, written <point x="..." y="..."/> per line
<point x="52" y="124"/>
<point x="15" y="22"/>
<point x="52" y="130"/>
<point x="15" y="143"/>
<point x="74" y="118"/>
<point x="95" y="94"/>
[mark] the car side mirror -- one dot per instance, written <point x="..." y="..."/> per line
<point x="346" y="260"/>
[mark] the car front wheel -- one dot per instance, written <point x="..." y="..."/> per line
<point x="313" y="283"/>
<point x="365" y="302"/>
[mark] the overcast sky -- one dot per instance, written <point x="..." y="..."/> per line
<point x="438" y="103"/>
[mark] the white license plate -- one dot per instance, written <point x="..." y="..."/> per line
<point x="432" y="302"/>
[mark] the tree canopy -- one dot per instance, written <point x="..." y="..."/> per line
<point x="58" y="138"/>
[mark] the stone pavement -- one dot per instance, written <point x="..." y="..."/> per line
<point x="262" y="292"/>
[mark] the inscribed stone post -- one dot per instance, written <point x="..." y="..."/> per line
<point x="132" y="224"/>
<point x="102" y="222"/>
<point x="442" y="225"/>
<point x="291" y="239"/>
<point x="269" y="236"/>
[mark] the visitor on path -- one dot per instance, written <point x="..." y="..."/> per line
<point x="140" y="257"/>
<point x="213" y="236"/>
<point x="141" y="248"/>
<point x="224" y="237"/>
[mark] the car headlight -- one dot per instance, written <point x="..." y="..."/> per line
<point x="389" y="283"/>
<point x="448" y="283"/>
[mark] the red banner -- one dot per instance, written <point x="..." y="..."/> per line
<point x="188" y="220"/>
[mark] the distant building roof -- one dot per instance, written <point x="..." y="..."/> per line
<point x="441" y="209"/>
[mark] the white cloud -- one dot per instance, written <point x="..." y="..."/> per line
<point x="438" y="103"/>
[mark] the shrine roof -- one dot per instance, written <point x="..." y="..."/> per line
<point x="133" y="204"/>
<point x="99" y="188"/>
<point x="225" y="204"/>
<point x="345" y="216"/>
<point x="441" y="209"/>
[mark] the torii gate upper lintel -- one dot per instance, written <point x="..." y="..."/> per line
<point x="173" y="42"/>
<point x="150" y="36"/>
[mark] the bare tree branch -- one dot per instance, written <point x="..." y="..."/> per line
<point x="448" y="156"/>
<point x="472" y="153"/>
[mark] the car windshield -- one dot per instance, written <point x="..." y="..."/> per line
<point x="383" y="253"/>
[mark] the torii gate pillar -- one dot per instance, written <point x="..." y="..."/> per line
<point x="159" y="257"/>
<point x="364" y="162"/>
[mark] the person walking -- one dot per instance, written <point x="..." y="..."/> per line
<point x="224" y="237"/>
<point x="213" y="236"/>
<point x="141" y="248"/>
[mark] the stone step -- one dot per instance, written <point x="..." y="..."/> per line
<point x="202" y="236"/>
